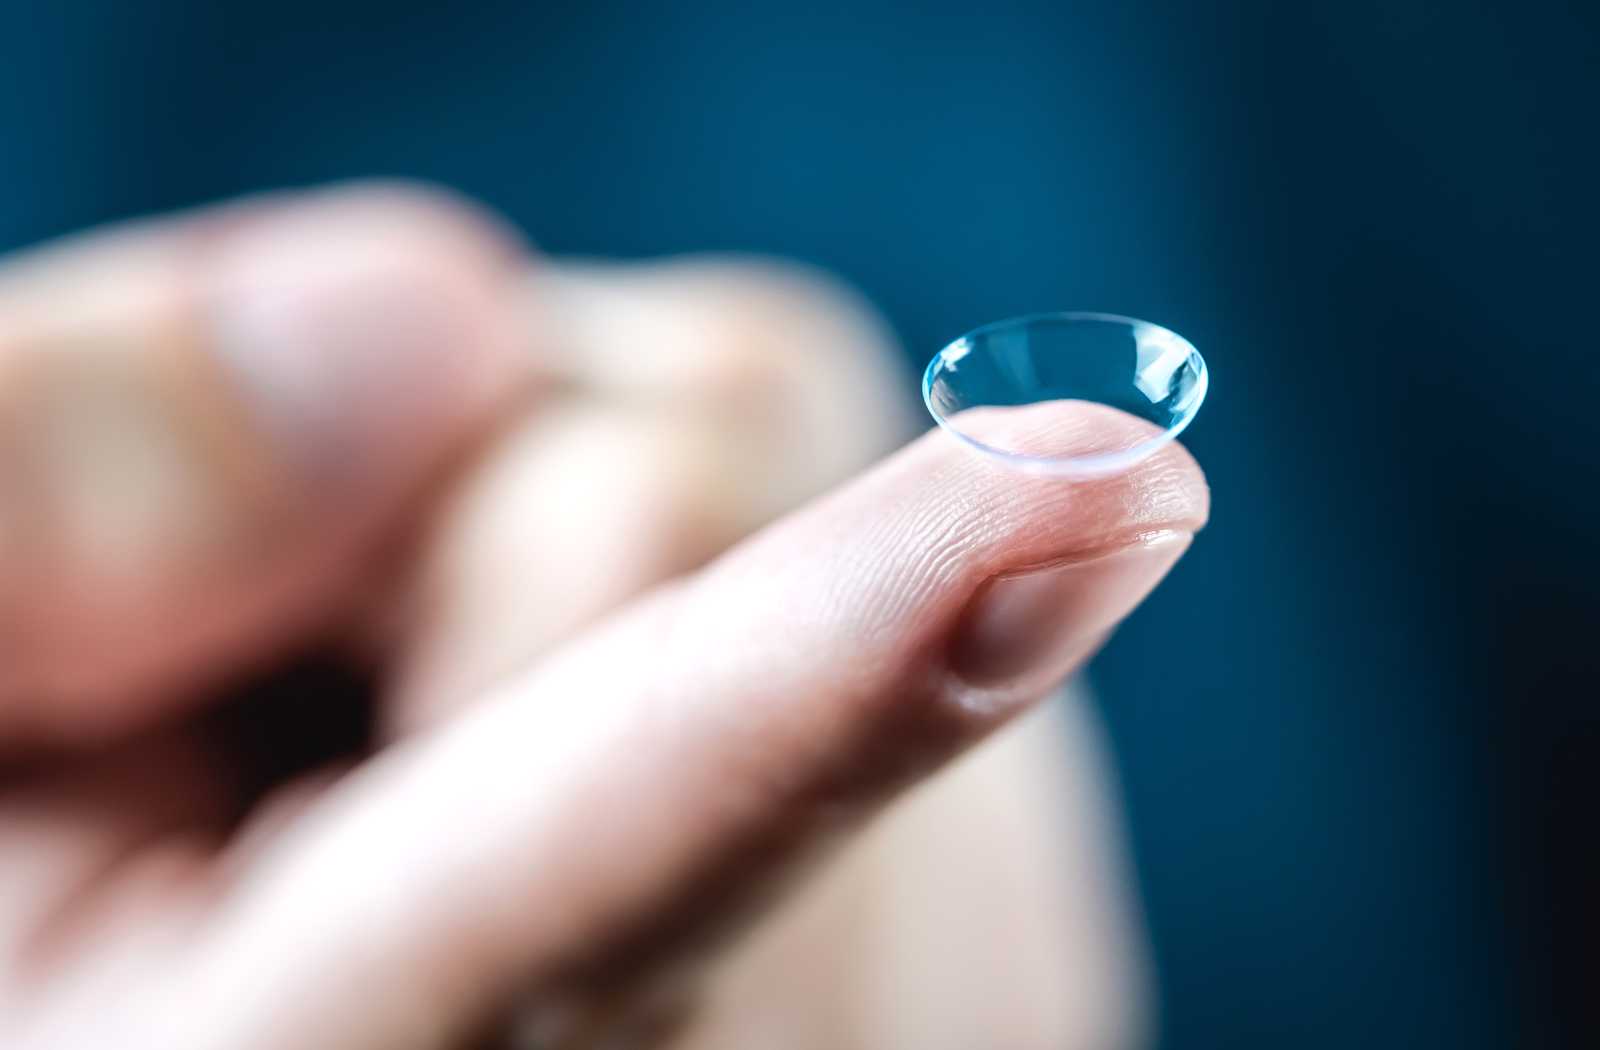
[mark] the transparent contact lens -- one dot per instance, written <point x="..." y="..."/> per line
<point x="990" y="388"/>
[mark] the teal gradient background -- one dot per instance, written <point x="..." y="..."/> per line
<point x="1356" y="731"/>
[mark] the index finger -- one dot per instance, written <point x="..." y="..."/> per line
<point x="623" y="799"/>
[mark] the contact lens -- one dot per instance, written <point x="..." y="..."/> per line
<point x="981" y="385"/>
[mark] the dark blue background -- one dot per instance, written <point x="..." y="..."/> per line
<point x="1357" y="730"/>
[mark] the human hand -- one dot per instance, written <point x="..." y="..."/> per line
<point x="224" y="438"/>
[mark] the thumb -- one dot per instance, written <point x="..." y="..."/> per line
<point x="205" y="423"/>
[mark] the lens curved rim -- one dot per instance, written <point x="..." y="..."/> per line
<point x="1094" y="465"/>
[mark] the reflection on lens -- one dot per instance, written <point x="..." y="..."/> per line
<point x="980" y="383"/>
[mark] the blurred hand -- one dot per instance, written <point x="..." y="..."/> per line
<point x="365" y="421"/>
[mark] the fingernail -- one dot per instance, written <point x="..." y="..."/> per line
<point x="353" y="344"/>
<point x="1033" y="629"/>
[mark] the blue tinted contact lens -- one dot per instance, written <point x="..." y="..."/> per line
<point x="1141" y="369"/>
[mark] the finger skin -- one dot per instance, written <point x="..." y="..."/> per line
<point x="764" y="385"/>
<point x="796" y="369"/>
<point x="207" y="426"/>
<point x="990" y="908"/>
<point x="571" y="513"/>
<point x="655" y="774"/>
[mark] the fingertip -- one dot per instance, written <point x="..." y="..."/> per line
<point x="233" y="412"/>
<point x="366" y="328"/>
<point x="941" y="589"/>
<point x="1131" y="474"/>
<point x="940" y="515"/>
